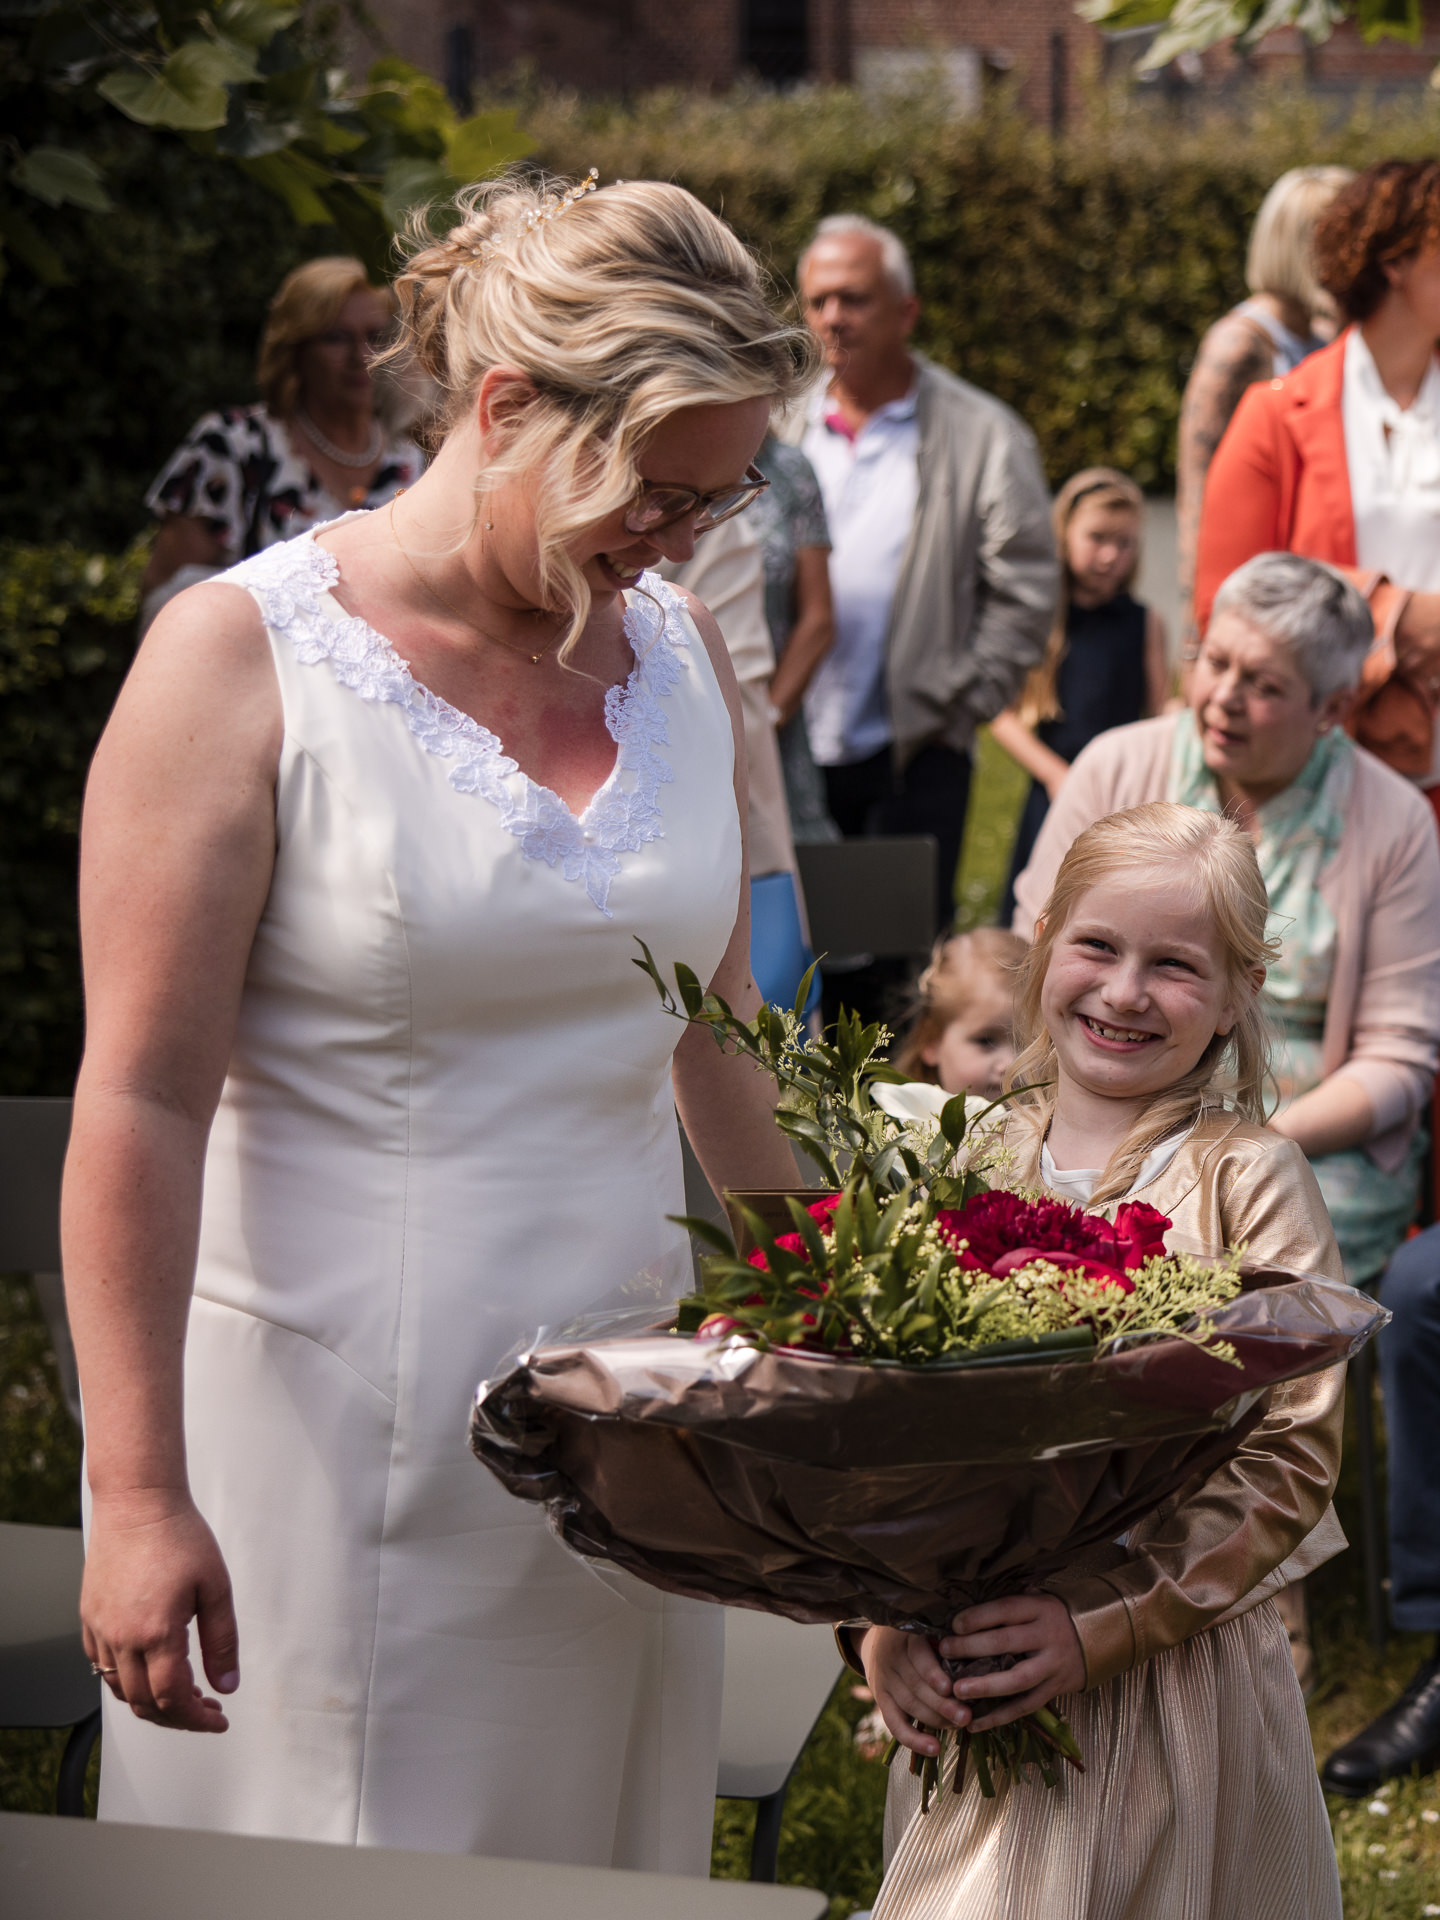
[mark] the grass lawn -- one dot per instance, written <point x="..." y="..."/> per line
<point x="1389" y="1850"/>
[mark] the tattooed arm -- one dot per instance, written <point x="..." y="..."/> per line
<point x="1233" y="355"/>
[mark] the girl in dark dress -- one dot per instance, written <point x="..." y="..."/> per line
<point x="1105" y="664"/>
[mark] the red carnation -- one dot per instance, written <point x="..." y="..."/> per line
<point x="1005" y="1232"/>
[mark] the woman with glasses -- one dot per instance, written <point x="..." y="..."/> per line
<point x="314" y="445"/>
<point x="373" y="1091"/>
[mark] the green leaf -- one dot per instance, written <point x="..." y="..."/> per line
<point x="809" y="1232"/>
<point x="188" y="93"/>
<point x="705" y="1230"/>
<point x="802" y="992"/>
<point x="246" y="134"/>
<point x="952" y="1120"/>
<point x="692" y="994"/>
<point x="254" y="23"/>
<point x="297" y="181"/>
<point x="1118" y="16"/>
<point x="60" y="177"/>
<point x="410" y="184"/>
<point x="484" y="144"/>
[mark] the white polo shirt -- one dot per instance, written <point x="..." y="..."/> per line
<point x="871" y="485"/>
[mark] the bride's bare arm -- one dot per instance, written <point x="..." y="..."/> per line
<point x="177" y="849"/>
<point x="728" y="1109"/>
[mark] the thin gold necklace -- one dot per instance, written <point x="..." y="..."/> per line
<point x="450" y="607"/>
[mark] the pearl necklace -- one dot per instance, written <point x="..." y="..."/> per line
<point x="338" y="454"/>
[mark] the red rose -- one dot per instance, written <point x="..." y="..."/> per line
<point x="715" y="1326"/>
<point x="822" y="1213"/>
<point x="787" y="1242"/>
<point x="1140" y="1232"/>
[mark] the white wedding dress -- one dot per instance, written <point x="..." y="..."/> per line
<point x="448" y="1121"/>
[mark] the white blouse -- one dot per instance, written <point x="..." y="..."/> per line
<point x="1076" y="1184"/>
<point x="1393" y="454"/>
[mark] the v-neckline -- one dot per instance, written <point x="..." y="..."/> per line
<point x="293" y="582"/>
<point x="618" y="697"/>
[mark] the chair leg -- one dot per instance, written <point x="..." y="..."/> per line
<point x="74" y="1763"/>
<point x="1362" y="1382"/>
<point x="765" y="1847"/>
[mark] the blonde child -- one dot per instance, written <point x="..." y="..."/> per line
<point x="962" y="1037"/>
<point x="1139" y="1004"/>
<point x="1105" y="663"/>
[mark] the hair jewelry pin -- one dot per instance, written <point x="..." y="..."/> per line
<point x="554" y="204"/>
<point x="550" y="208"/>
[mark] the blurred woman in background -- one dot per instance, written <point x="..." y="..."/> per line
<point x="313" y="447"/>
<point x="1286" y="317"/>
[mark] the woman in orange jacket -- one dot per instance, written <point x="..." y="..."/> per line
<point x="1340" y="459"/>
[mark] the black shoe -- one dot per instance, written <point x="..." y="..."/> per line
<point x="1405" y="1738"/>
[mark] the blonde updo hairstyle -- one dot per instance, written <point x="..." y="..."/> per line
<point x="1218" y="858"/>
<point x="307" y="302"/>
<point x="622" y="307"/>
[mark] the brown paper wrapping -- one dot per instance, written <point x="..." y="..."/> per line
<point x="831" y="1489"/>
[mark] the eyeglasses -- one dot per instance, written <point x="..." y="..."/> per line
<point x="659" y="504"/>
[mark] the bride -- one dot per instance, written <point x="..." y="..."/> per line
<point x="372" y="1089"/>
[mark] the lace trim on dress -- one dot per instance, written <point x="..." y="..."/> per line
<point x="290" y="581"/>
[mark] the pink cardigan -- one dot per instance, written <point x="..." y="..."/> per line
<point x="1382" y="1023"/>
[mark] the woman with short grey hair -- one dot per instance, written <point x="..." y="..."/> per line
<point x="1348" y="852"/>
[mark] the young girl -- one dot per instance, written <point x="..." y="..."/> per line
<point x="962" y="1037"/>
<point x="1105" y="663"/>
<point x="1139" y="1001"/>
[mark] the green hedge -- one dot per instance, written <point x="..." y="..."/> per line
<point x="67" y="634"/>
<point x="1072" y="279"/>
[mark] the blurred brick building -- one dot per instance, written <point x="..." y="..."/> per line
<point x="625" y="46"/>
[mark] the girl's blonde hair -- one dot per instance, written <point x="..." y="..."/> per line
<point x="945" y="991"/>
<point x="306" y="302"/>
<point x="1096" y="487"/>
<point x="622" y="306"/>
<point x="1219" y="858"/>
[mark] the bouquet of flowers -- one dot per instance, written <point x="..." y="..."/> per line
<point x="908" y="1392"/>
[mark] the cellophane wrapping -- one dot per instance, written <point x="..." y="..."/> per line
<point x="831" y="1489"/>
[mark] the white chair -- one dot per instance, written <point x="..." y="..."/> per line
<point x="778" y="1677"/>
<point x="51" y="1870"/>
<point x="45" y="1678"/>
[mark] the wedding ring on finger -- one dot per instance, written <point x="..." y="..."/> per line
<point x="102" y="1673"/>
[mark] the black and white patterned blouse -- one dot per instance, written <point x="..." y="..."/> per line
<point x="237" y="471"/>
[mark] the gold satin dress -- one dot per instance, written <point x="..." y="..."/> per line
<point x="1201" y="1800"/>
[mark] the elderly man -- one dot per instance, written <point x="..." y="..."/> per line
<point x="943" y="567"/>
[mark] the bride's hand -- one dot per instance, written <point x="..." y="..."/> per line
<point x="151" y="1566"/>
<point x="1034" y="1625"/>
<point x="909" y="1686"/>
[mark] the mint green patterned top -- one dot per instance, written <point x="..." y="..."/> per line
<point x="1299" y="833"/>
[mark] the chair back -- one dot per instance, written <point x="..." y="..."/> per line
<point x="45" y="1677"/>
<point x="33" y="1137"/>
<point x="778" y="1677"/>
<point x="871" y="896"/>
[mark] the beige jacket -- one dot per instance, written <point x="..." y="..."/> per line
<point x="1382" y="1023"/>
<point x="727" y="574"/>
<point x="1217" y="1549"/>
